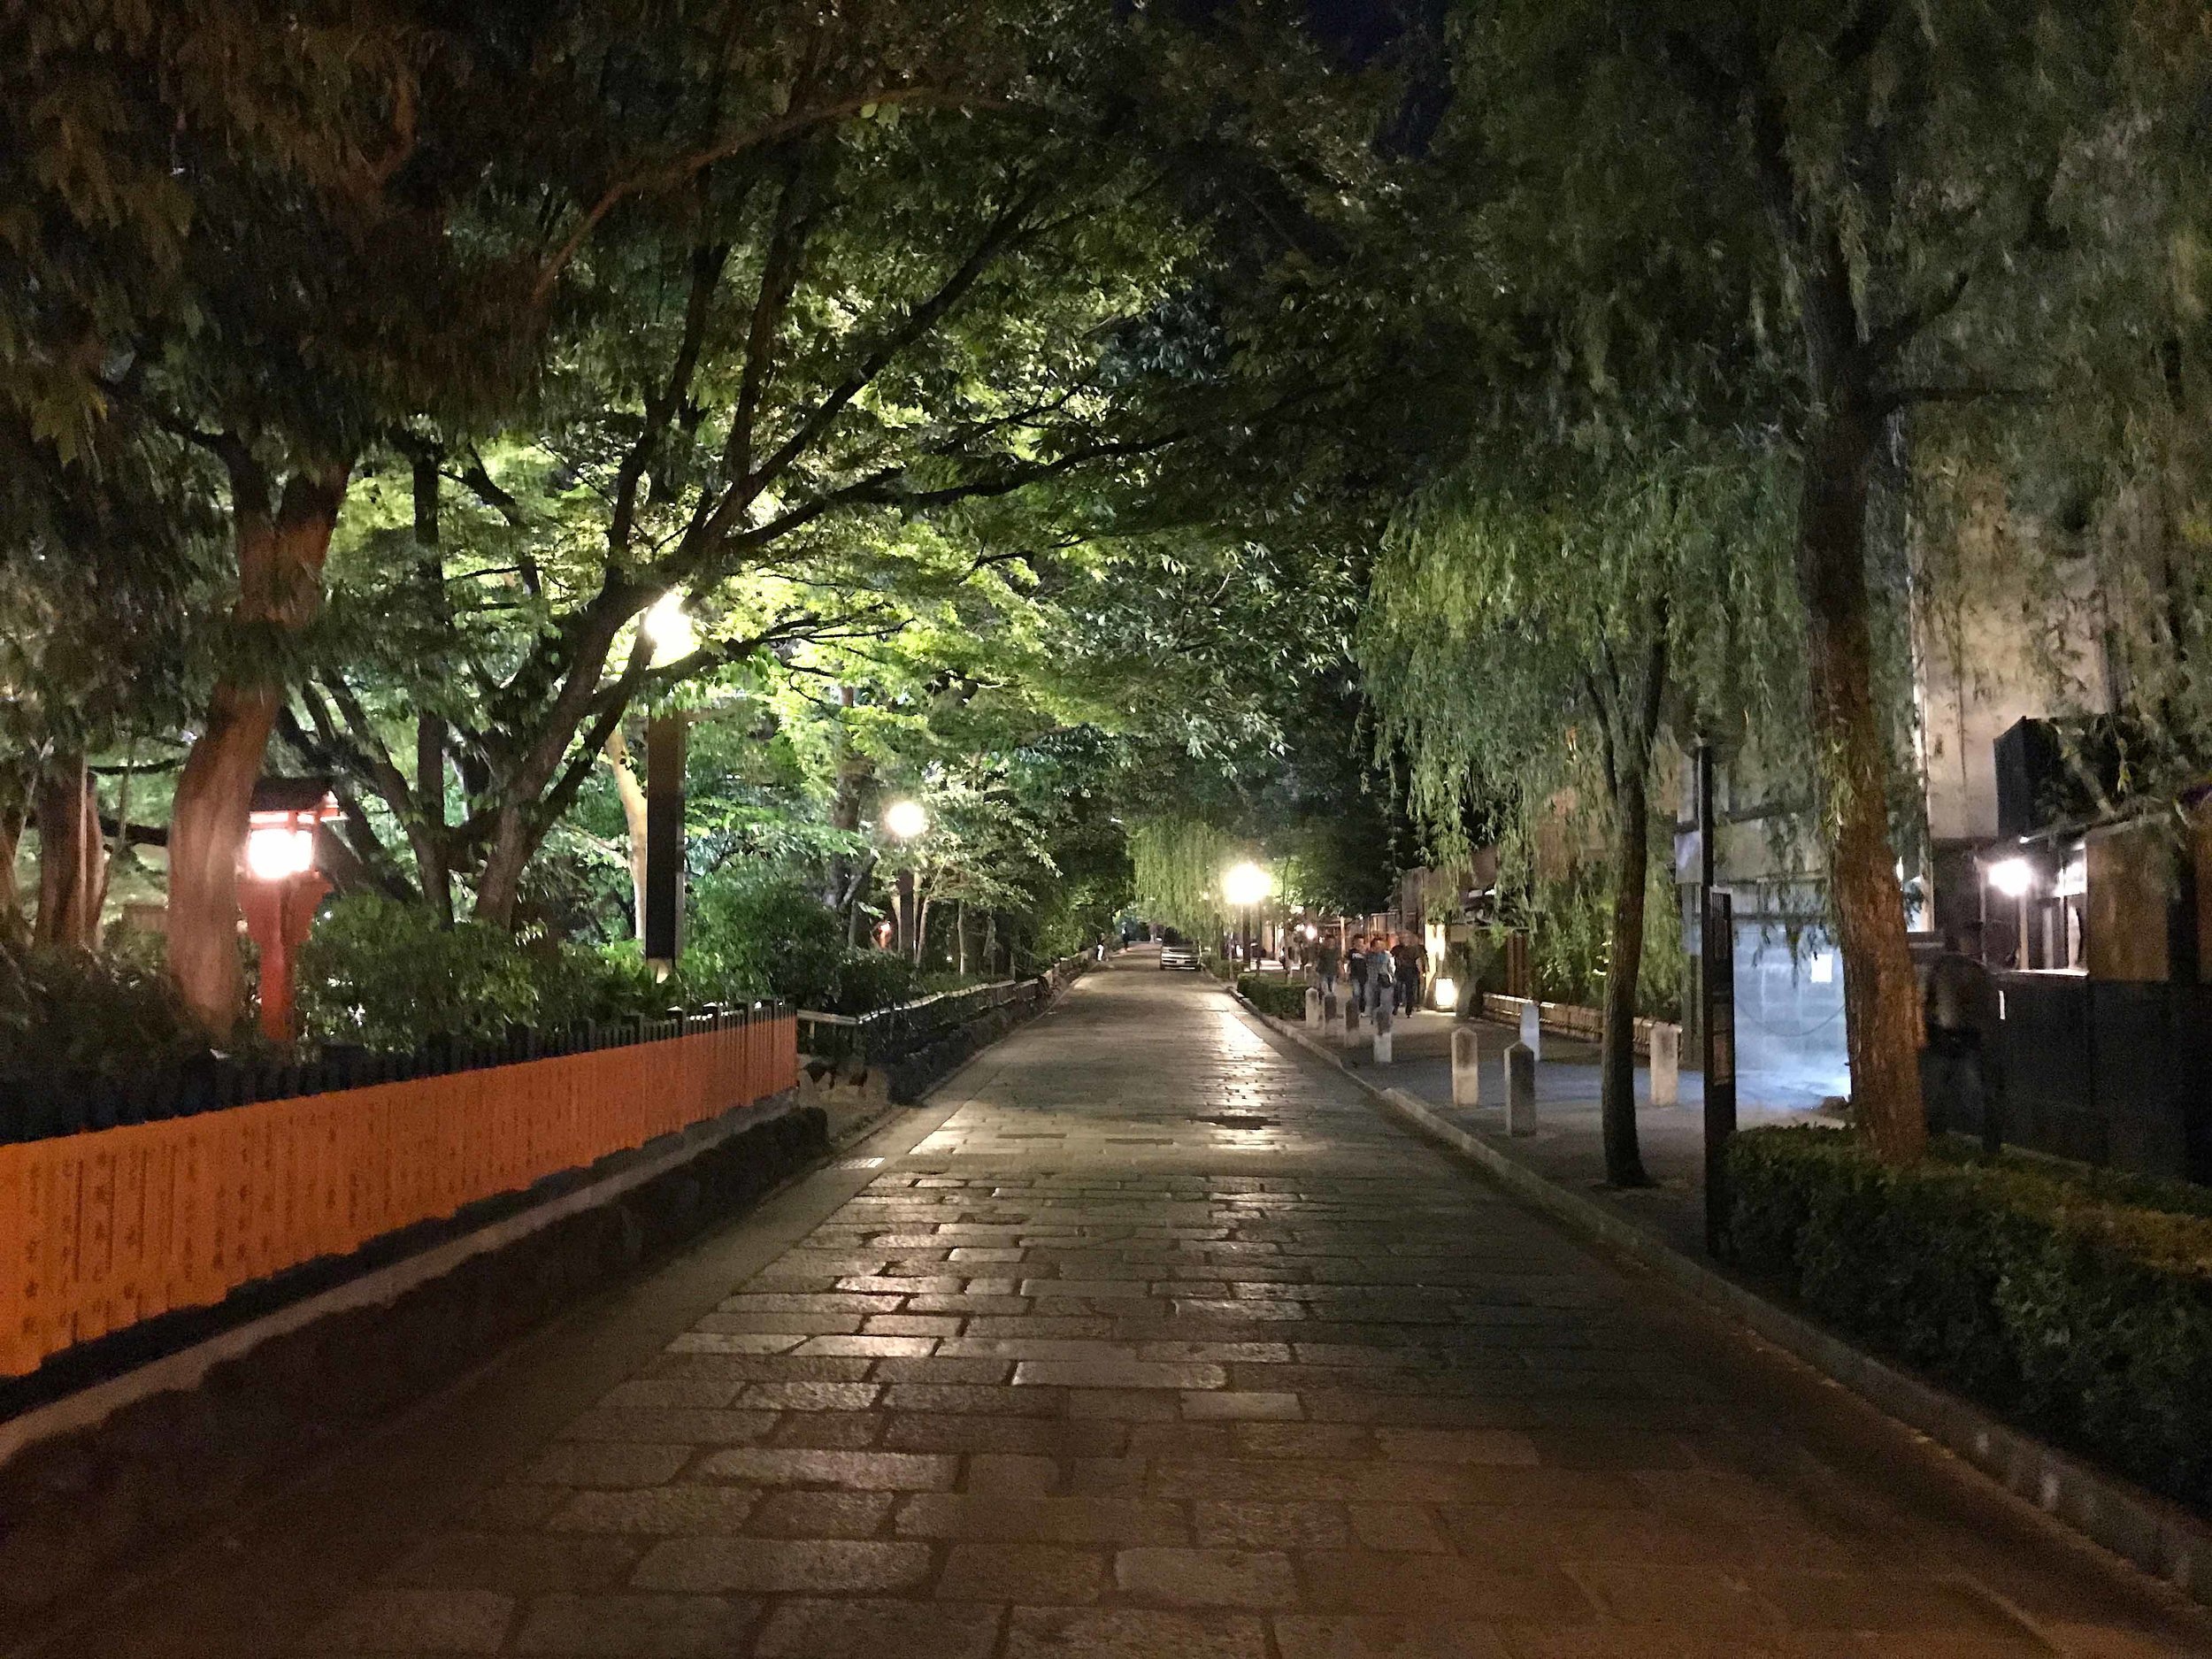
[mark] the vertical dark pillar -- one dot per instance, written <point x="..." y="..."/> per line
<point x="1719" y="1022"/>
<point x="665" y="741"/>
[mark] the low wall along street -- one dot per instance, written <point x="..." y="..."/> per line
<point x="475" y="1205"/>
<point x="102" y="1230"/>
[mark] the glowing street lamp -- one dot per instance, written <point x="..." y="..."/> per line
<point x="282" y="887"/>
<point x="1244" y="886"/>
<point x="668" y="629"/>
<point x="1447" y="994"/>
<point x="904" y="820"/>
<point x="2012" y="877"/>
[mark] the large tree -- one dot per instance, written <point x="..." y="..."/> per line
<point x="1888" y="176"/>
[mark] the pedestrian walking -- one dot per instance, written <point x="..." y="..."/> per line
<point x="1962" y="1076"/>
<point x="1325" y="966"/>
<point x="1382" y="971"/>
<point x="1355" y="969"/>
<point x="1410" y="960"/>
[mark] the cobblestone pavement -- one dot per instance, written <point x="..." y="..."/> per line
<point x="1164" y="1344"/>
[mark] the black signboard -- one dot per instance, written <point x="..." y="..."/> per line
<point x="1717" y="984"/>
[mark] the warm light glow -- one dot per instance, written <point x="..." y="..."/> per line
<point x="274" y="852"/>
<point x="1246" y="884"/>
<point x="668" y="630"/>
<point x="1448" y="994"/>
<point x="2012" y="877"/>
<point x="905" y="820"/>
<point x="1307" y="932"/>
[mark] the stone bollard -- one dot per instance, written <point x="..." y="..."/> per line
<point x="1666" y="1064"/>
<point x="1382" y="1033"/>
<point x="1466" y="1066"/>
<point x="1520" y="1090"/>
<point x="1533" y="1028"/>
<point x="1313" y="1008"/>
<point x="1351" y="1020"/>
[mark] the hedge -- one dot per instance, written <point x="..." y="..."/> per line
<point x="1286" y="999"/>
<point x="2077" y="1303"/>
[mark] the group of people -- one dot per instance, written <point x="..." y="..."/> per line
<point x="1385" y="970"/>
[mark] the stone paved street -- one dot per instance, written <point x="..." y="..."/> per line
<point x="1164" y="1345"/>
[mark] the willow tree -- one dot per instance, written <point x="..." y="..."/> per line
<point x="1539" y="619"/>
<point x="1895" y="181"/>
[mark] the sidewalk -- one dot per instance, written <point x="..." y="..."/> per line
<point x="1568" y="1145"/>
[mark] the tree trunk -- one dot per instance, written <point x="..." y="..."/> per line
<point x="72" y="856"/>
<point x="632" y="796"/>
<point x="10" y="900"/>
<point x="433" y="874"/>
<point x="960" y="934"/>
<point x="1617" y="1065"/>
<point x="990" y="944"/>
<point x="1883" y="1024"/>
<point x="281" y="552"/>
<point x="922" y="902"/>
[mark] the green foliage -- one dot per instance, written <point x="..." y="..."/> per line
<point x="1285" y="999"/>
<point x="112" y="1013"/>
<point x="2080" y="1302"/>
<point x="1569" y="927"/>
<point x="384" y="974"/>
<point x="769" y="934"/>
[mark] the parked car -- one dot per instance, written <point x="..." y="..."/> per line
<point x="1178" y="956"/>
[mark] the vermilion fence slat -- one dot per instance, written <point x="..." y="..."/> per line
<point x="98" y="1231"/>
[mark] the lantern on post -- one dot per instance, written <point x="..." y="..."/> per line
<point x="281" y="886"/>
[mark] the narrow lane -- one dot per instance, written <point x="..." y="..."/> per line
<point x="1163" y="1344"/>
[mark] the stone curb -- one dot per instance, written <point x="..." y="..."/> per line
<point x="2161" y="1538"/>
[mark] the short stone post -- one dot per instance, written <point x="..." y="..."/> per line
<point x="1520" y="1090"/>
<point x="1351" y="1020"/>
<point x="1533" y="1028"/>
<point x="1382" y="1033"/>
<point x="1466" y="1066"/>
<point x="1666" y="1064"/>
<point x="1313" y="1008"/>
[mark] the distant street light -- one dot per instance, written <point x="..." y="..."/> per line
<point x="2012" y="877"/>
<point x="904" y="820"/>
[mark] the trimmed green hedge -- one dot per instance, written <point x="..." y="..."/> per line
<point x="2078" y="1304"/>
<point x="1286" y="999"/>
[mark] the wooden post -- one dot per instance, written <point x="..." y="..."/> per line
<point x="1520" y="1090"/>
<point x="665" y="738"/>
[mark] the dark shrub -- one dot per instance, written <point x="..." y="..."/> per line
<point x="2078" y="1302"/>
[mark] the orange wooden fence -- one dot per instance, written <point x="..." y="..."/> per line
<point x="101" y="1229"/>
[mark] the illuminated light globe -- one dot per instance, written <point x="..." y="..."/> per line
<point x="2012" y="877"/>
<point x="669" y="631"/>
<point x="1246" y="884"/>
<point x="276" y="852"/>
<point x="1447" y="992"/>
<point x="905" y="820"/>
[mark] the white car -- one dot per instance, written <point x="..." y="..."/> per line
<point x="1178" y="956"/>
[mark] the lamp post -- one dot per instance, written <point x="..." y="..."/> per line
<point x="905" y="820"/>
<point x="282" y="886"/>
<point x="669" y="630"/>
<point x="1245" y="885"/>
